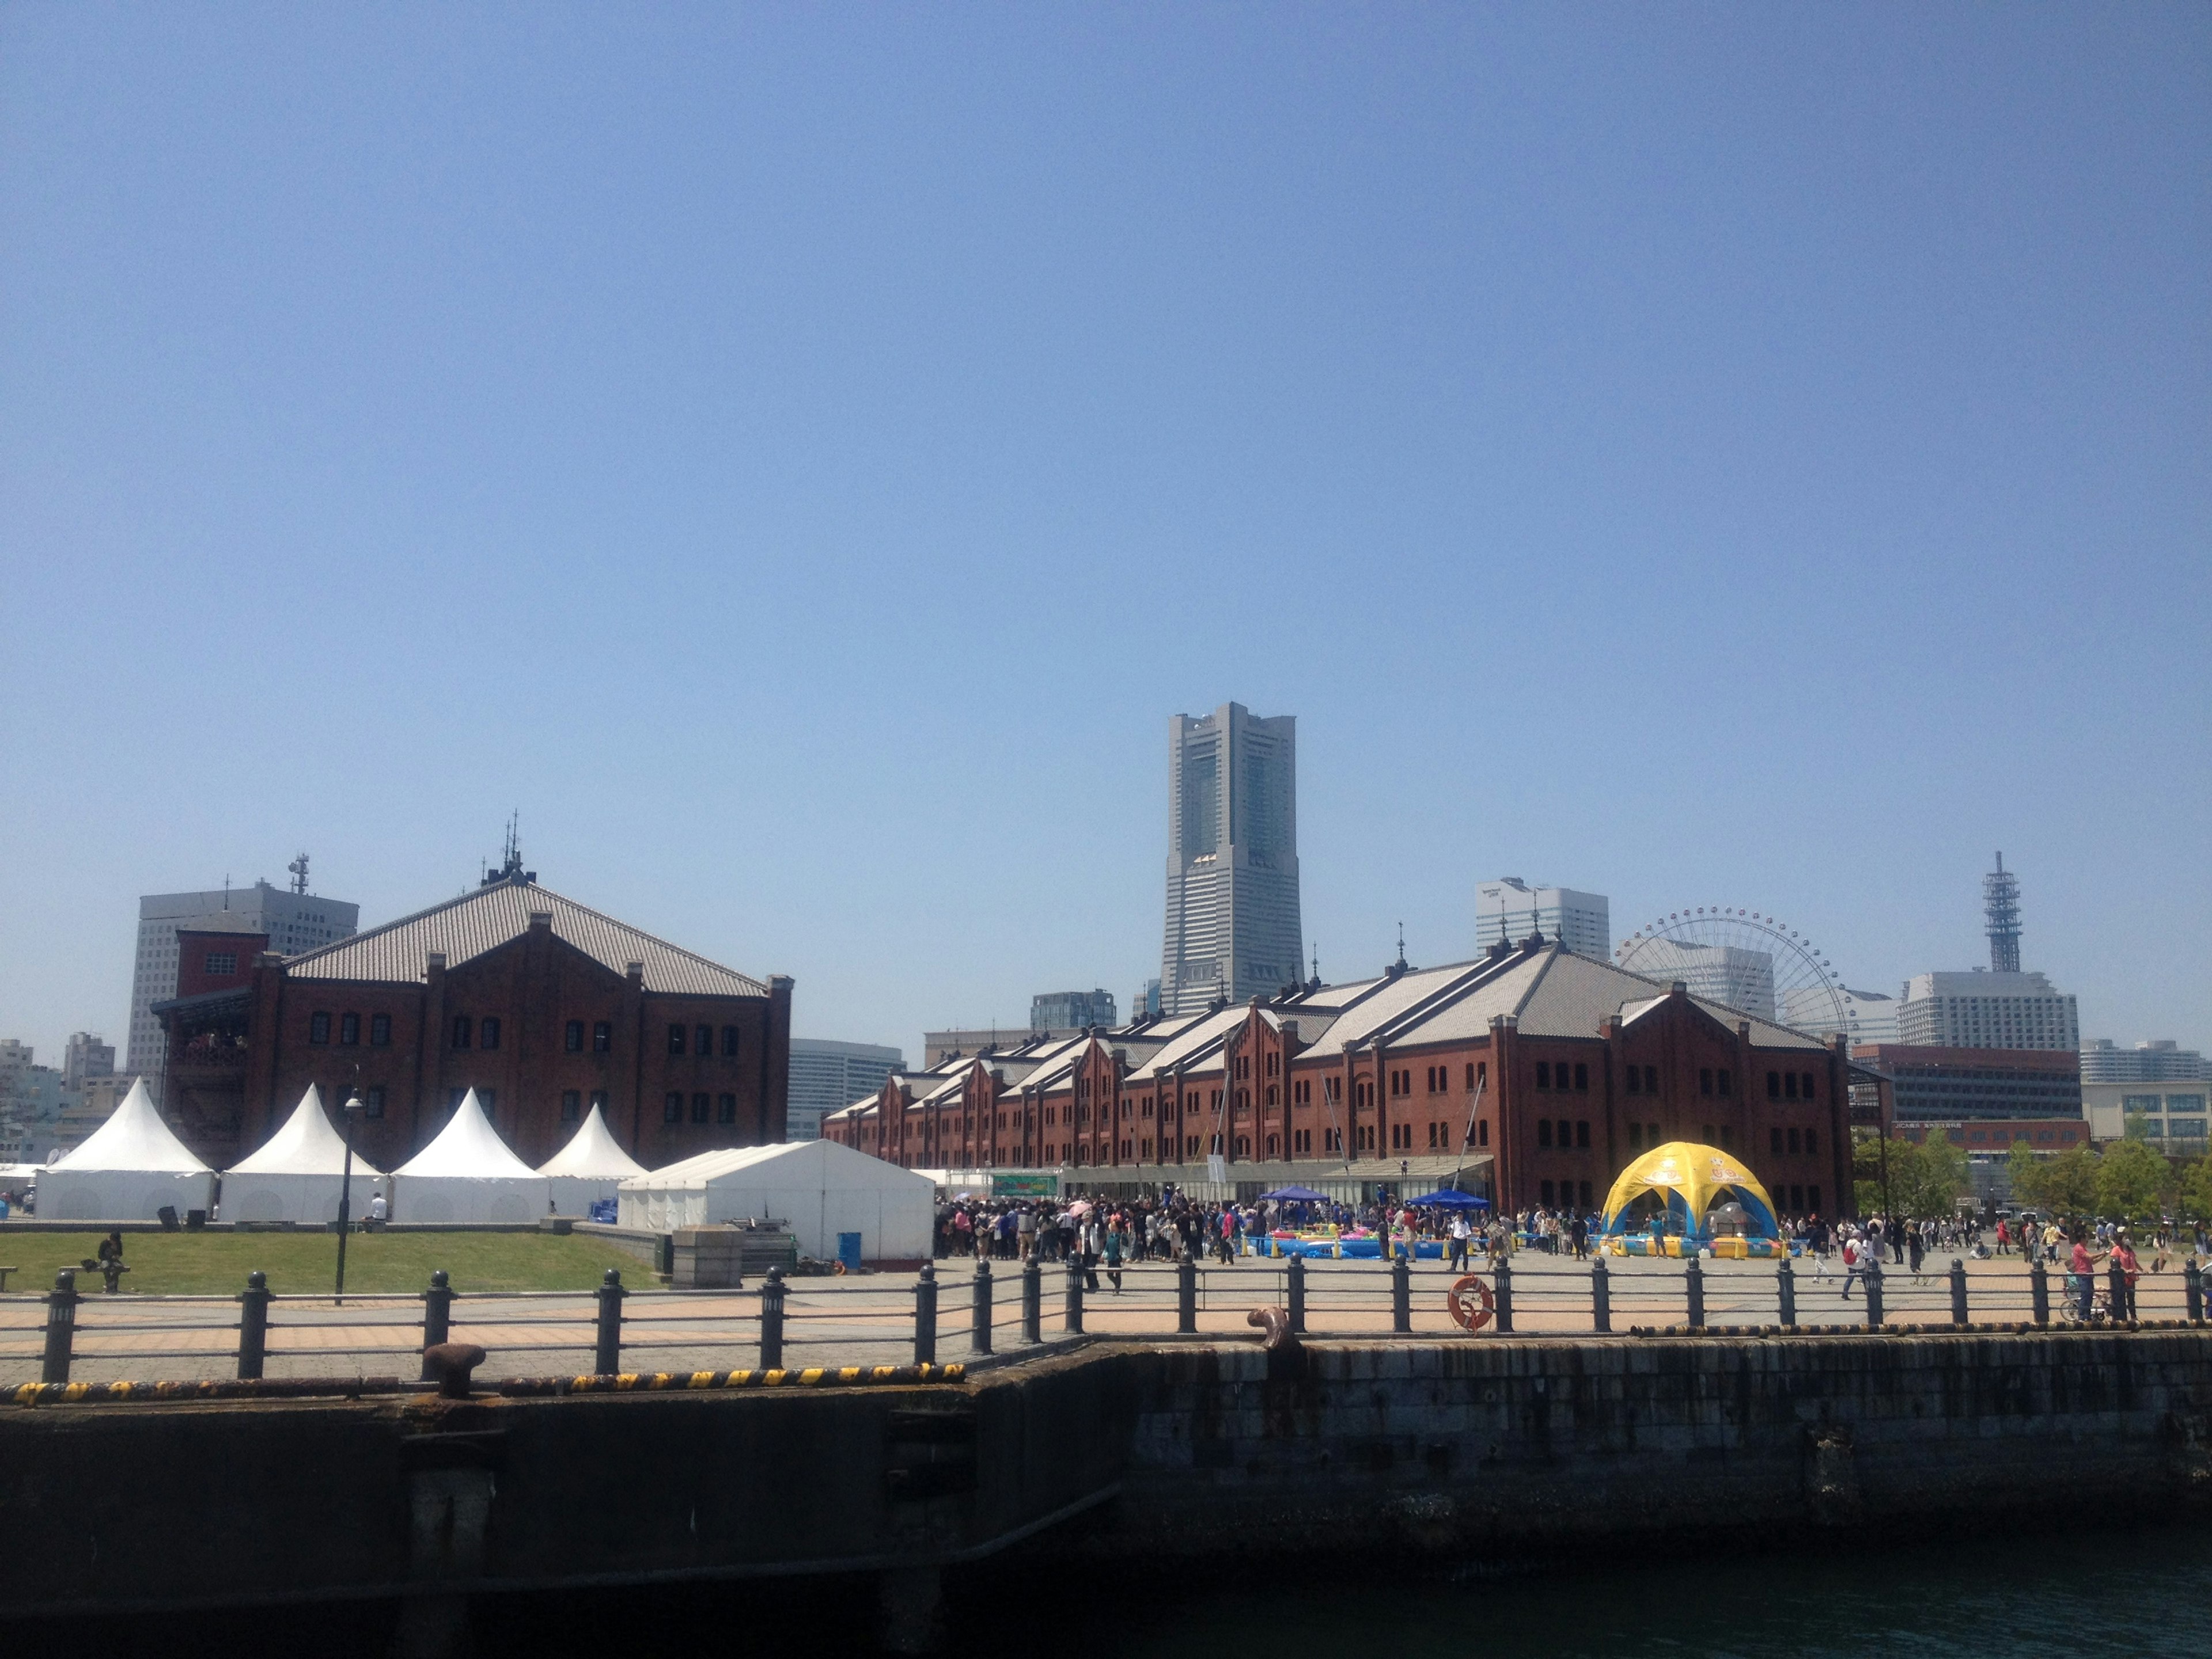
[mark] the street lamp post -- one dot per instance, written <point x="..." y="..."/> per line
<point x="353" y="1108"/>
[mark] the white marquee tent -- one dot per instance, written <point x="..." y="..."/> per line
<point x="294" y="1176"/>
<point x="467" y="1174"/>
<point x="591" y="1167"/>
<point x="126" y="1171"/>
<point x="816" y="1187"/>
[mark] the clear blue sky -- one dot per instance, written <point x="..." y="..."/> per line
<point x="801" y="456"/>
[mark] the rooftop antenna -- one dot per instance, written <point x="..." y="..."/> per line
<point x="1402" y="945"/>
<point x="226" y="891"/>
<point x="298" y="866"/>
<point x="2001" y="910"/>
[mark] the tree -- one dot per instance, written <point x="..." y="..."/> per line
<point x="2030" y="1187"/>
<point x="2196" y="1201"/>
<point x="2128" y="1180"/>
<point x="1932" y="1176"/>
<point x="2070" y="1182"/>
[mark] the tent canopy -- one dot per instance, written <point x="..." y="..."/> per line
<point x="133" y="1139"/>
<point x="1448" y="1198"/>
<point x="594" y="1153"/>
<point x="1691" y="1177"/>
<point x="304" y="1144"/>
<point x="819" y="1187"/>
<point x="1295" y="1195"/>
<point x="468" y="1148"/>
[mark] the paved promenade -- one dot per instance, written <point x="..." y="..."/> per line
<point x="869" y="1319"/>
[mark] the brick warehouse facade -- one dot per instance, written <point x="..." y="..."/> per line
<point x="544" y="1006"/>
<point x="1538" y="1072"/>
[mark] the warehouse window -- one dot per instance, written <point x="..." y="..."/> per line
<point x="372" y="1101"/>
<point x="464" y="1031"/>
<point x="603" y="1037"/>
<point x="725" y="1108"/>
<point x="671" y="1108"/>
<point x="706" y="1047"/>
<point x="676" y="1034"/>
<point x="572" y="1036"/>
<point x="572" y="1105"/>
<point x="488" y="1033"/>
<point x="319" y="1028"/>
<point x="379" y="1030"/>
<point x="729" y="1042"/>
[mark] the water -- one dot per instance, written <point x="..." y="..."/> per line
<point x="2093" y="1592"/>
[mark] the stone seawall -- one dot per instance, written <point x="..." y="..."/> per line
<point x="1128" y="1448"/>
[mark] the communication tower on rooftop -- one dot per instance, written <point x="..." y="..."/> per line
<point x="2001" y="906"/>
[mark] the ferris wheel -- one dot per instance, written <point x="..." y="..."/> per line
<point x="1743" y="959"/>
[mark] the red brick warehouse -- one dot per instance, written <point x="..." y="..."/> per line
<point x="544" y="1006"/>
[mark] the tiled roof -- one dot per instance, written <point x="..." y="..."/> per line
<point x="465" y="927"/>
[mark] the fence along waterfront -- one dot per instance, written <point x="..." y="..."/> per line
<point x="875" y="1320"/>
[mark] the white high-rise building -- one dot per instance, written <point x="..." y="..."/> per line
<point x="828" y="1077"/>
<point x="1983" y="1010"/>
<point x="1233" y="925"/>
<point x="1742" y="979"/>
<point x="1508" y="909"/>
<point x="294" y="921"/>
<point x="2104" y="1060"/>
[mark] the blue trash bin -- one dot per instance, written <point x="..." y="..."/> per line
<point x="848" y="1250"/>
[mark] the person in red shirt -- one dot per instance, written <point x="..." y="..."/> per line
<point x="2081" y="1272"/>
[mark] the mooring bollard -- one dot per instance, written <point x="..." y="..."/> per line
<point x="61" y="1326"/>
<point x="437" y="1316"/>
<point x="1504" y="1296"/>
<point x="925" y="1316"/>
<point x="1873" y="1291"/>
<point x="1186" y="1297"/>
<point x="1073" y="1310"/>
<point x="1693" y="1277"/>
<point x="979" y="1312"/>
<point x="1600" y="1296"/>
<point x="1295" y="1294"/>
<point x="1958" y="1291"/>
<point x="771" y="1296"/>
<point x="1785" y="1278"/>
<point x="1401" y="1296"/>
<point x="2192" y="1290"/>
<point x="253" y="1325"/>
<point x="606" y="1349"/>
<point x="1033" y="1301"/>
<point x="2039" y="1293"/>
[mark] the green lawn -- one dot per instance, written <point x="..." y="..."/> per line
<point x="306" y="1263"/>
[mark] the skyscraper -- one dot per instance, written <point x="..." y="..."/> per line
<point x="295" y="920"/>
<point x="1510" y="909"/>
<point x="1233" y="927"/>
<point x="828" y="1077"/>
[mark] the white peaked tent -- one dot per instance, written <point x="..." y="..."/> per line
<point x="589" y="1167"/>
<point x="467" y="1174"/>
<point x="126" y="1171"/>
<point x="295" y="1174"/>
<point x="817" y="1188"/>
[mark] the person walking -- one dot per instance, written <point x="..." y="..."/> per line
<point x="1852" y="1257"/>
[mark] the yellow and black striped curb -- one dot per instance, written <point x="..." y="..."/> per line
<point x="2057" y="1328"/>
<point x="521" y="1387"/>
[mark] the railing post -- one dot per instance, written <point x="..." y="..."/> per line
<point x="1033" y="1300"/>
<point x="1958" y="1291"/>
<point x="1600" y="1296"/>
<point x="437" y="1315"/>
<point x="61" y="1326"/>
<point x="979" y="1313"/>
<point x="1695" y="1277"/>
<point x="253" y="1325"/>
<point x="771" y="1296"/>
<point x="1186" y="1297"/>
<point x="1505" y="1296"/>
<point x="1295" y="1275"/>
<point x="2038" y="1292"/>
<point x="1401" y="1296"/>
<point x="1786" y="1284"/>
<point x="1873" y="1291"/>
<point x="1072" y="1308"/>
<point x="606" y="1350"/>
<point x="2192" y="1289"/>
<point x="925" y="1316"/>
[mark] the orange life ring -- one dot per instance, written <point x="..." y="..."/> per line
<point x="1471" y="1315"/>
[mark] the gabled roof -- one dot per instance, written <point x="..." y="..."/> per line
<point x="467" y="928"/>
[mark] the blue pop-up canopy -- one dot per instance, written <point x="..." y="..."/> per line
<point x="1295" y="1195"/>
<point x="1449" y="1198"/>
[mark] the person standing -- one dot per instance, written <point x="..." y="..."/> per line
<point x="1114" y="1257"/>
<point x="2081" y="1276"/>
<point x="1851" y="1259"/>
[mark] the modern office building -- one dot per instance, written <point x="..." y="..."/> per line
<point x="1983" y="1010"/>
<point x="1509" y="909"/>
<point x="975" y="1039"/>
<point x="1080" y="1010"/>
<point x="1731" y="973"/>
<point x="295" y="921"/>
<point x="2104" y="1060"/>
<point x="827" y="1077"/>
<point x="1147" y="1001"/>
<point x="1868" y="1016"/>
<point x="85" y="1058"/>
<point x="1941" y="1084"/>
<point x="1234" y="930"/>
